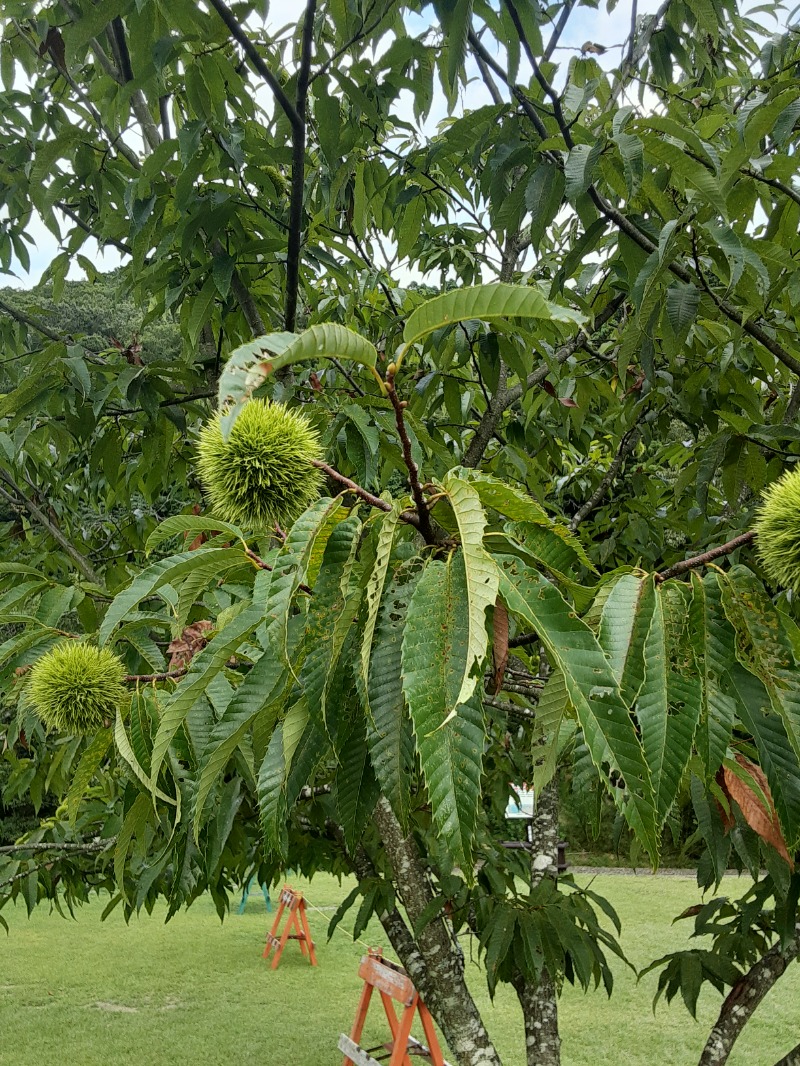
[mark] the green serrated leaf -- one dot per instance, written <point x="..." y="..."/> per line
<point x="389" y="737"/>
<point x="481" y="575"/>
<point x="203" y="669"/>
<point x="355" y="786"/>
<point x="309" y="533"/>
<point x="762" y="646"/>
<point x="90" y="763"/>
<point x="713" y="643"/>
<point x="327" y="607"/>
<point x="374" y="589"/>
<point x="164" y="572"/>
<point x="593" y="690"/>
<point x="495" y="300"/>
<point x="189" y="523"/>
<point x="251" y="364"/>
<point x="435" y="648"/>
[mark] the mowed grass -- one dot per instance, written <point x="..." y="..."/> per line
<point x="196" y="992"/>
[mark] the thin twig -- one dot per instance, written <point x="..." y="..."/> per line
<point x="626" y="445"/>
<point x="36" y="512"/>
<point x="119" y="245"/>
<point x="425" y="527"/>
<point x="363" y="31"/>
<point x="558" y="29"/>
<point x="256" y="62"/>
<point x="165" y="676"/>
<point x="52" y="845"/>
<point x="751" y="326"/>
<point x="411" y="518"/>
<point x="34" y="323"/>
<point x="706" y="557"/>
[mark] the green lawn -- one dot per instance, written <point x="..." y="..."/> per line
<point x="196" y="992"/>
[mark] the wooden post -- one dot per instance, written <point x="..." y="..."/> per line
<point x="297" y="919"/>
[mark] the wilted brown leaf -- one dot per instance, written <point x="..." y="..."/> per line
<point x="761" y="818"/>
<point x="192" y="640"/>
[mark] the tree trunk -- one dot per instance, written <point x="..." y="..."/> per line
<point x="539" y="1001"/>
<point x="433" y="957"/>
<point x="744" y="998"/>
<point x="539" y="1004"/>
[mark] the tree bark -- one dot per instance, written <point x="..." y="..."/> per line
<point x="539" y="1000"/>
<point x="433" y="957"/>
<point x="744" y="998"/>
<point x="792" y="1059"/>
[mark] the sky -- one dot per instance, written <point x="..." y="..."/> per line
<point x="600" y="26"/>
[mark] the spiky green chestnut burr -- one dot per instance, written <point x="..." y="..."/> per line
<point x="263" y="472"/>
<point x="77" y="688"/>
<point x="777" y="530"/>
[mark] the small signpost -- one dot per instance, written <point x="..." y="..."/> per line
<point x="394" y="985"/>
<point x="294" y="903"/>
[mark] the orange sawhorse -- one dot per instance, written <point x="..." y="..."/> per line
<point x="393" y="984"/>
<point x="296" y="905"/>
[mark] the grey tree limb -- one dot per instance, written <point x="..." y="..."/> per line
<point x="627" y="443"/>
<point x="453" y="1006"/>
<point x="744" y="998"/>
<point x="20" y="499"/>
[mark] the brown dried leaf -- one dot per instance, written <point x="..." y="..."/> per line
<point x="725" y="812"/>
<point x="54" y="44"/>
<point x="500" y="645"/>
<point x="192" y="640"/>
<point x="761" y="819"/>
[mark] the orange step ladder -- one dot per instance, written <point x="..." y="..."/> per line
<point x="296" y="906"/>
<point x="394" y="985"/>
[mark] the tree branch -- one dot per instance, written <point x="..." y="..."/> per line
<point x="82" y="848"/>
<point x="360" y="34"/>
<point x="558" y="29"/>
<point x="424" y="525"/>
<point x="165" y="676"/>
<point x="453" y="1007"/>
<point x="256" y="62"/>
<point x="95" y="847"/>
<point x="518" y="94"/>
<point x="774" y="183"/>
<point x="575" y="344"/>
<point x="411" y="518"/>
<point x="626" y="445"/>
<point x="706" y="557"/>
<point x="298" y="172"/>
<point x="743" y="999"/>
<point x="119" y="245"/>
<point x="34" y="323"/>
<point x="750" y="326"/>
<point x="36" y="512"/>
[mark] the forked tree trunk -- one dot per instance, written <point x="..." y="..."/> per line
<point x="744" y="998"/>
<point x="539" y="1000"/>
<point x="433" y="958"/>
